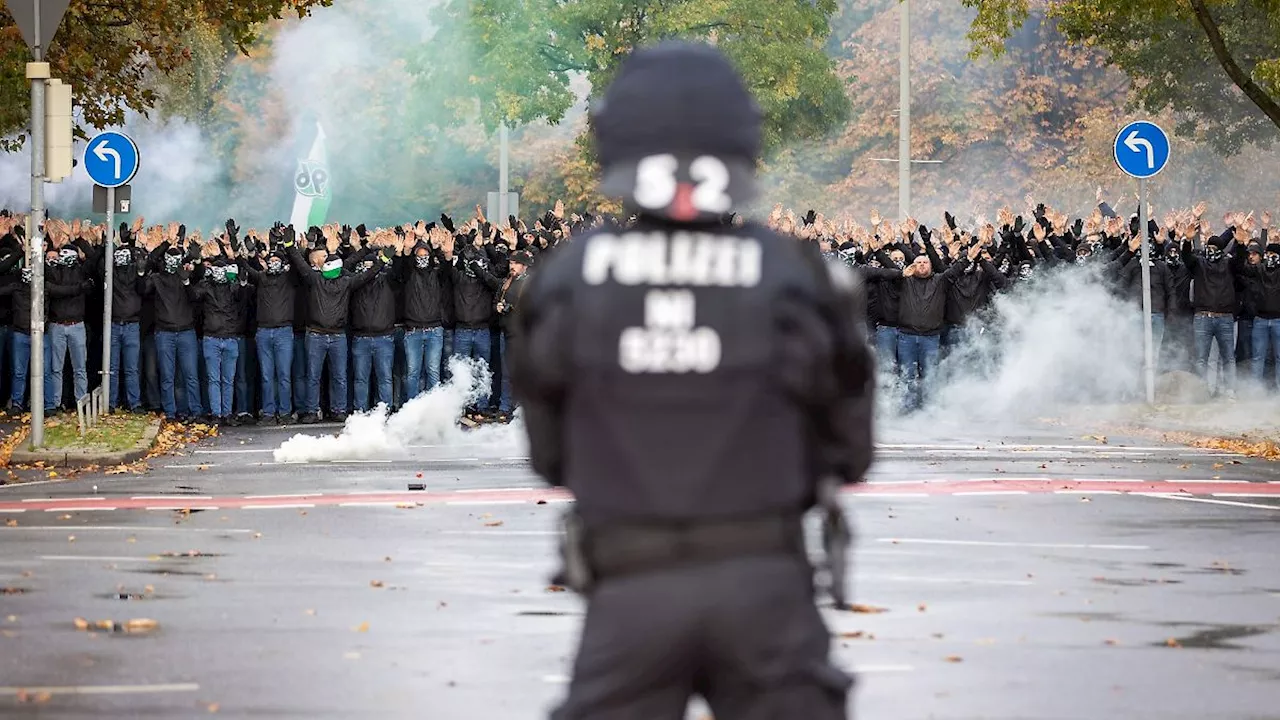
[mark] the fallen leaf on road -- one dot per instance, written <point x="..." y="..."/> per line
<point x="1218" y="466"/>
<point x="105" y="625"/>
<point x="27" y="698"/>
<point x="554" y="588"/>
<point x="81" y="624"/>
<point x="493" y="524"/>
<point x="64" y="517"/>
<point x="53" y="474"/>
<point x="148" y="589"/>
<point x="1109" y="641"/>
<point x="1173" y="643"/>
<point x="11" y="523"/>
<point x="213" y="708"/>
<point x="386" y="559"/>
<point x="852" y="635"/>
<point x="302" y="512"/>
<point x="131" y="540"/>
<point x="375" y="583"/>
<point x="406" y="506"/>
<point x="1085" y="499"/>
<point x="12" y="618"/>
<point x="867" y="609"/>
<point x="418" y="475"/>
<point x="309" y="611"/>
<point x="1184" y="467"/>
<point x="922" y="607"/>
<point x="210" y="576"/>
<point x="953" y="658"/>
<point x="71" y="538"/>
<point x="362" y="627"/>
<point x="257" y="536"/>
<point x="141" y="625"/>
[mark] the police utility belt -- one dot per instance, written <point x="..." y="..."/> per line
<point x="618" y="550"/>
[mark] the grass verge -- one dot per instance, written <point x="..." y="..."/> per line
<point x="113" y="433"/>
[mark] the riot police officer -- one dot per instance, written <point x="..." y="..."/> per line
<point x="691" y="383"/>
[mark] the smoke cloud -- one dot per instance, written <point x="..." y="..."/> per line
<point x="429" y="419"/>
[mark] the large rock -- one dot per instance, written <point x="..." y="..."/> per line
<point x="1181" y="388"/>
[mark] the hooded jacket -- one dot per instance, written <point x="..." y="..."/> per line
<point x="126" y="283"/>
<point x="373" y="305"/>
<point x="329" y="299"/>
<point x="68" y="310"/>
<point x="1213" y="282"/>
<point x="276" y="295"/>
<point x="221" y="307"/>
<point x="426" y="290"/>
<point x="474" y="283"/>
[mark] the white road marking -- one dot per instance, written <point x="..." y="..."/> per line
<point x="11" y="512"/>
<point x="245" y="451"/>
<point x="101" y="689"/>
<point x="1205" y="482"/>
<point x="369" y="504"/>
<point x="489" y="490"/>
<point x="277" y="507"/>
<point x="991" y="543"/>
<point x="200" y="465"/>
<point x="182" y="507"/>
<point x="87" y="499"/>
<point x="1220" y="502"/>
<point x="284" y="495"/>
<point x="361" y="462"/>
<point x="80" y="529"/>
<point x="897" y="495"/>
<point x="499" y="532"/>
<point x="171" y="497"/>
<point x="1087" y="492"/>
<point x="487" y="502"/>
<point x="94" y="558"/>
<point x="77" y="509"/>
<point x="945" y="580"/>
<point x="994" y="492"/>
<point x="1246" y="495"/>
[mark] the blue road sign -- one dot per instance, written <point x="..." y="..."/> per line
<point x="111" y="159"/>
<point x="1142" y="149"/>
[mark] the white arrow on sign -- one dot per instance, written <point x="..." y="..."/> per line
<point x="102" y="151"/>
<point x="1133" y="142"/>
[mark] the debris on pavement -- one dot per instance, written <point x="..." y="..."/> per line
<point x="866" y="609"/>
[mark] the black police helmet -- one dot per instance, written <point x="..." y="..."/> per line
<point x="670" y="106"/>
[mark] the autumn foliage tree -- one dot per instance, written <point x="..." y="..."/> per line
<point x="110" y="51"/>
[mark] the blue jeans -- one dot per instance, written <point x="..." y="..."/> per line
<point x="918" y="361"/>
<point x="506" y="403"/>
<point x="333" y="347"/>
<point x="64" y="340"/>
<point x="887" y="346"/>
<point x="220" y="356"/>
<point x="423" y="351"/>
<point x="1266" y="337"/>
<point x="244" y="359"/>
<point x="368" y="350"/>
<point x="177" y="351"/>
<point x="1219" y="330"/>
<point x="474" y="343"/>
<point x="21" y="364"/>
<point x="275" y="366"/>
<point x="126" y="346"/>
<point x="300" y="386"/>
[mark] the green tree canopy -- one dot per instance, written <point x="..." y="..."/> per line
<point x="513" y="60"/>
<point x="110" y="51"/>
<point x="1182" y="55"/>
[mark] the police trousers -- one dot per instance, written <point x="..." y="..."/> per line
<point x="743" y="633"/>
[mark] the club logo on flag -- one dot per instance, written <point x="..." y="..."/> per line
<point x="312" y="179"/>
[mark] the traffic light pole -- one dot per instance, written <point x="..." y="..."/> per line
<point x="37" y="73"/>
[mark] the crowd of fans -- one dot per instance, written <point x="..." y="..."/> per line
<point x="288" y="325"/>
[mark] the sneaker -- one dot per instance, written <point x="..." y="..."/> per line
<point x="309" y="418"/>
<point x="268" y="420"/>
<point x="285" y="419"/>
<point x="338" y="417"/>
<point x="232" y="421"/>
<point x="245" y="418"/>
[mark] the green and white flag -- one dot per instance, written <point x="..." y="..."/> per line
<point x="311" y="183"/>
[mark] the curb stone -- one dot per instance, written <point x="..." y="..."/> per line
<point x="74" y="458"/>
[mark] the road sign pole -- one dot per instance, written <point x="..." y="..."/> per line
<point x="37" y="72"/>
<point x="904" y="112"/>
<point x="503" y="210"/>
<point x="1147" y="332"/>
<point x="108" y="289"/>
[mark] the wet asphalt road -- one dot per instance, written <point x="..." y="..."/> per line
<point x="1016" y="583"/>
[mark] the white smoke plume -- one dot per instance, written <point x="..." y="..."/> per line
<point x="429" y="419"/>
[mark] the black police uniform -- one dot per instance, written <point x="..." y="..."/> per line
<point x="691" y="383"/>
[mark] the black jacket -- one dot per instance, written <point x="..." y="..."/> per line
<point x="1131" y="276"/>
<point x="20" y="295"/>
<point x="1213" y="283"/>
<point x="170" y="295"/>
<point x="68" y="308"/>
<point x="221" y="308"/>
<point x="780" y="398"/>
<point x="970" y="291"/>
<point x="474" y="283"/>
<point x="508" y="299"/>
<point x="276" y="295"/>
<point x="10" y="261"/>
<point x="1267" y="287"/>
<point x="126" y="284"/>
<point x="373" y="306"/>
<point x="329" y="300"/>
<point x="426" y="290"/>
